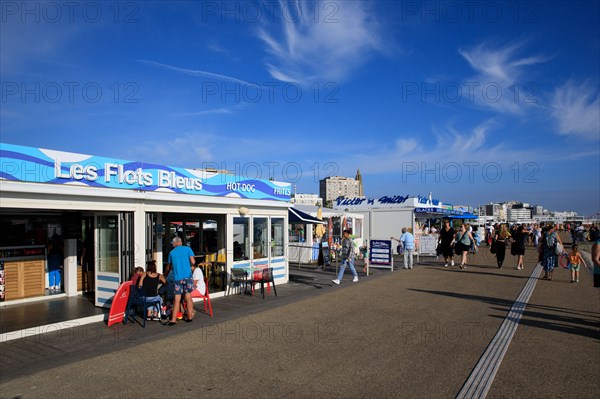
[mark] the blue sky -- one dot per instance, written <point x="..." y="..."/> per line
<point x="474" y="102"/>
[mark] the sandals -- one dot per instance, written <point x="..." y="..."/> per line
<point x="189" y="320"/>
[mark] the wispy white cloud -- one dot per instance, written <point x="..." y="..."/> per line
<point x="576" y="109"/>
<point x="207" y="112"/>
<point x="189" y="149"/>
<point x="451" y="145"/>
<point x="213" y="45"/>
<point x="318" y="45"/>
<point x="501" y="76"/>
<point x="198" y="73"/>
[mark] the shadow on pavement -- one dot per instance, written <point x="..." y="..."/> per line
<point x="470" y="268"/>
<point x="555" y="324"/>
<point x="506" y="303"/>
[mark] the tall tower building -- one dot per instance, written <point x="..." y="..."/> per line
<point x="358" y="178"/>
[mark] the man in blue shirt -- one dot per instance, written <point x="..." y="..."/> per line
<point x="408" y="243"/>
<point x="181" y="258"/>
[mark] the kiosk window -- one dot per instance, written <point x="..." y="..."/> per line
<point x="358" y="228"/>
<point x="241" y="239"/>
<point x="277" y="236"/>
<point x="261" y="236"/>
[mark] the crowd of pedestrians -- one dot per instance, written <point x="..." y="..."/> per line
<point x="544" y="239"/>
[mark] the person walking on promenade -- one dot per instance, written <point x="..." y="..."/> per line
<point x="519" y="245"/>
<point x="549" y="256"/>
<point x="596" y="260"/>
<point x="347" y="257"/>
<point x="575" y="259"/>
<point x="181" y="258"/>
<point x="408" y="243"/>
<point x="446" y="239"/>
<point x="463" y="244"/>
<point x="537" y="234"/>
<point x="502" y="235"/>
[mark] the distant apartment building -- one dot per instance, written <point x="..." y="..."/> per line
<point x="490" y="210"/>
<point x="307" y="199"/>
<point x="334" y="187"/>
<point x="522" y="212"/>
<point x="564" y="215"/>
<point x="518" y="213"/>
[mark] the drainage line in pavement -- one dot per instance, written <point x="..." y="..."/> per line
<point x="482" y="376"/>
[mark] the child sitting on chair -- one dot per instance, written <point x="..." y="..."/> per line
<point x="137" y="273"/>
<point x="199" y="284"/>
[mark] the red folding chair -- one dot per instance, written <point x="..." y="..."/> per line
<point x="206" y="297"/>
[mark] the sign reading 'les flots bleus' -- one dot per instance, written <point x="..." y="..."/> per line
<point x="37" y="165"/>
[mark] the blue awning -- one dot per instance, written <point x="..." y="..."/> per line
<point x="463" y="216"/>
<point x="297" y="216"/>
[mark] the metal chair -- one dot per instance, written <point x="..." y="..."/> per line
<point x="137" y="300"/>
<point x="266" y="277"/>
<point x="239" y="277"/>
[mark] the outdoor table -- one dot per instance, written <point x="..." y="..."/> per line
<point x="250" y="270"/>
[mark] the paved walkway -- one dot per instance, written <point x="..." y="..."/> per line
<point x="407" y="333"/>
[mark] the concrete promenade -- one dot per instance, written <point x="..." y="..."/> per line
<point x="405" y="334"/>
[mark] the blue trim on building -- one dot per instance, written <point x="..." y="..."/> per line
<point x="109" y="279"/>
<point x="106" y="289"/>
<point x="105" y="302"/>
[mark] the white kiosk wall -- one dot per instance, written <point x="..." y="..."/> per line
<point x="385" y="223"/>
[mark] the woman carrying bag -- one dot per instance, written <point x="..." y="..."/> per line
<point x="463" y="244"/>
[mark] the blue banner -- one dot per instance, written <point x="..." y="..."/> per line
<point x="37" y="165"/>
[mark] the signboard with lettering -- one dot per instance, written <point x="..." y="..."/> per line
<point x="380" y="254"/>
<point x="37" y="165"/>
<point x="324" y="255"/>
<point x="428" y="245"/>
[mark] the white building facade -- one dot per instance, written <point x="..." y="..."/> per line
<point x="126" y="213"/>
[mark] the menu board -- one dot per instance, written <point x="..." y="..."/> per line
<point x="380" y="253"/>
<point x="326" y="258"/>
<point x="428" y="245"/>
